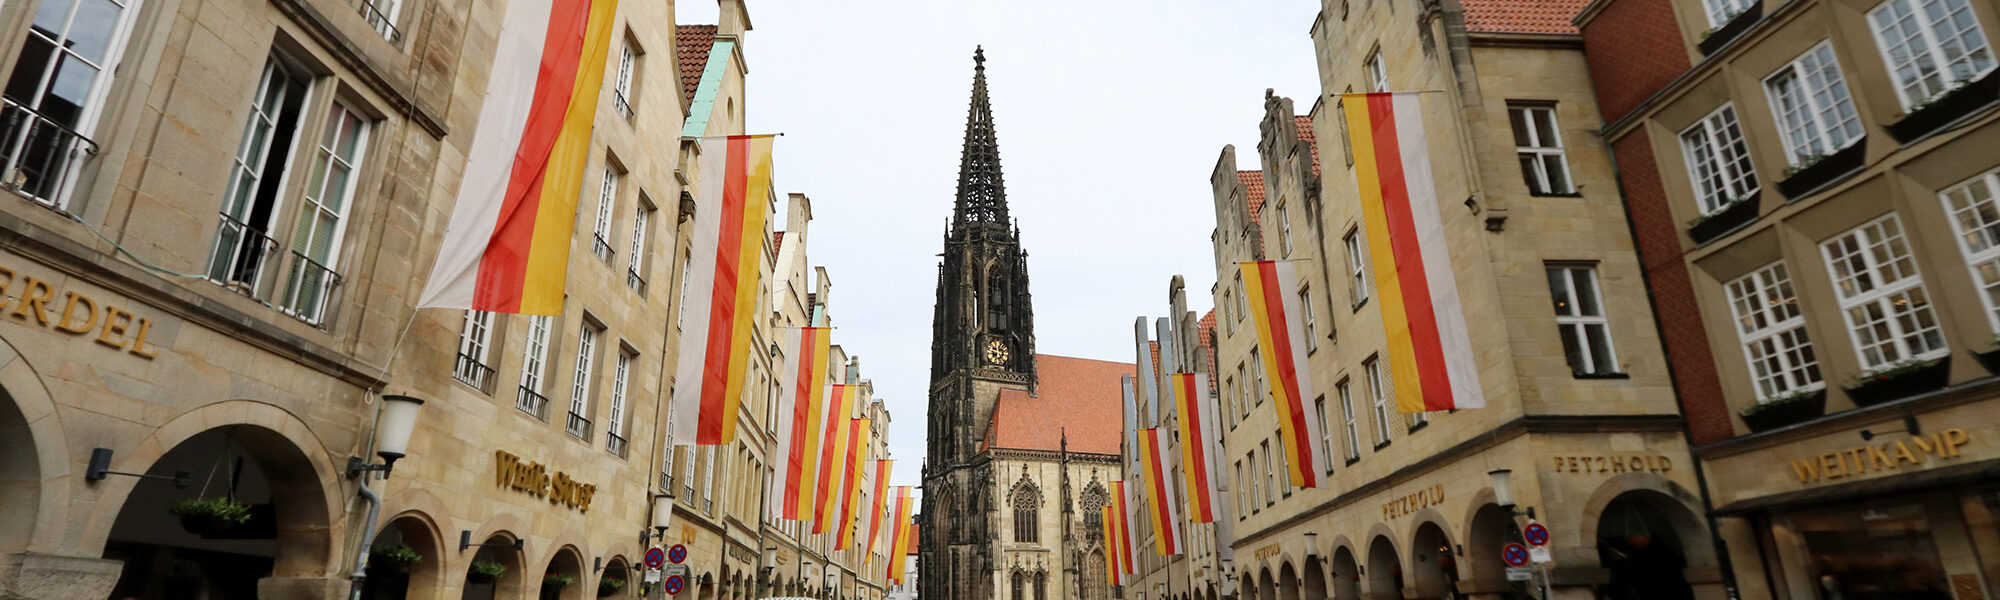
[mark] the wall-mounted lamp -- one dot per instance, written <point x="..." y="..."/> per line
<point x="1503" y="491"/>
<point x="392" y="435"/>
<point x="1910" y="425"/>
<point x="1312" y="545"/>
<point x="663" y="514"/>
<point x="100" y="467"/>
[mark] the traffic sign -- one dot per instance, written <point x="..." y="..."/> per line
<point x="678" y="554"/>
<point x="652" y="575"/>
<point x="1516" y="555"/>
<point x="1539" y="556"/>
<point x="1519" y="574"/>
<point x="673" y="586"/>
<point x="681" y="570"/>
<point x="1536" y="535"/>
<point x="654" y="556"/>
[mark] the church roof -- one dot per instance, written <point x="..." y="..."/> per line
<point x="1079" y="396"/>
<point x="1253" y="185"/>
<point x="691" y="43"/>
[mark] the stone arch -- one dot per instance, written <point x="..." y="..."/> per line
<point x="1433" y="566"/>
<point x="1267" y="586"/>
<point x="423" y="580"/>
<point x="33" y="484"/>
<point x="1488" y="528"/>
<point x="1247" y="584"/>
<point x="1288" y="581"/>
<point x="1312" y="582"/>
<point x="496" y="547"/>
<point x="1384" y="570"/>
<point x="1647" y="538"/>
<point x="1676" y="503"/>
<point x="566" y="561"/>
<point x="617" y="568"/>
<point x="1345" y="572"/>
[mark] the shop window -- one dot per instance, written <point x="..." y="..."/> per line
<point x="1864" y="552"/>
<point x="1975" y="217"/>
<point x="1814" y="110"/>
<point x="1930" y="46"/>
<point x="1718" y="161"/>
<point x="1773" y="332"/>
<point x="1882" y="296"/>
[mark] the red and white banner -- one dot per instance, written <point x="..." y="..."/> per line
<point x="721" y="284"/>
<point x="1164" y="516"/>
<point x="801" y="392"/>
<point x="1199" y="444"/>
<point x="877" y="501"/>
<point x="833" y="447"/>
<point x="1271" y="287"/>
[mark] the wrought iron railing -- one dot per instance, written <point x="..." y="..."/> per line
<point x="601" y="248"/>
<point x="614" y="443"/>
<point x="308" y="290"/>
<point x="578" y="426"/>
<point x="624" y="104"/>
<point x="471" y="371"/>
<point x="381" y="22"/>
<point x="40" y="154"/>
<point x="634" y="281"/>
<point x="241" y="251"/>
<point x="531" y="402"/>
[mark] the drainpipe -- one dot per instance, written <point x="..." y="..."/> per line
<point x="367" y="539"/>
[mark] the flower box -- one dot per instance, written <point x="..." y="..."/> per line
<point x="1811" y="176"/>
<point x="1899" y="380"/>
<point x="1736" y="214"/>
<point x="1947" y="107"/>
<point x="1785" y="411"/>
<point x="1736" y="25"/>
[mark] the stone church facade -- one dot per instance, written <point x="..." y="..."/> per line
<point x="1021" y="447"/>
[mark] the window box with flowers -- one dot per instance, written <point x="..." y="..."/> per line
<point x="1730" y="216"/>
<point x="1898" y="380"/>
<point x="1817" y="170"/>
<point x="1790" y="409"/>
<point x="1960" y="98"/>
<point x="1732" y="26"/>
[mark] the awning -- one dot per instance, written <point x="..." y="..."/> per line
<point x="1983" y="471"/>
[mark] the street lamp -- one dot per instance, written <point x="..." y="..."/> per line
<point x="1503" y="491"/>
<point x="398" y="418"/>
<point x="1312" y="545"/>
<point x="832" y="582"/>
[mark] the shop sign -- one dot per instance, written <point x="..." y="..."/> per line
<point x="1413" y="502"/>
<point x="1267" y="552"/>
<point x="742" y="554"/>
<point x="35" y="301"/>
<point x="1854" y="461"/>
<point x="1613" y="464"/>
<point x="537" y="480"/>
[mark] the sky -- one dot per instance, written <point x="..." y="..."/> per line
<point x="1111" y="114"/>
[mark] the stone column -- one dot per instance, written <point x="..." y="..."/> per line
<point x="32" y="575"/>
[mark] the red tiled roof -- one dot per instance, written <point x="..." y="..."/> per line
<point x="1154" y="346"/>
<point x="1306" y="135"/>
<point x="913" y="539"/>
<point x="691" y="44"/>
<point x="1253" y="183"/>
<point x="1078" y="395"/>
<point x="1204" y="334"/>
<point x="1522" y="16"/>
<point x="777" y="241"/>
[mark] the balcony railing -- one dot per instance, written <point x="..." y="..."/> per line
<point x="40" y="155"/>
<point x="578" y="426"/>
<point x="601" y="248"/>
<point x="614" y="443"/>
<point x="240" y="254"/>
<point x="381" y="22"/>
<point x="634" y="281"/>
<point x="307" y="290"/>
<point x="471" y="371"/>
<point x="531" y="402"/>
<point x="624" y="105"/>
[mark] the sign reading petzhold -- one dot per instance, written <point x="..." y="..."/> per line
<point x="535" y="479"/>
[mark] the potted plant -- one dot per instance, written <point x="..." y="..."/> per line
<point x="398" y="558"/>
<point x="1959" y="98"/>
<point x="608" y="587"/>
<point x="1818" y="169"/>
<point x="1900" y="379"/>
<point x="557" y="580"/>
<point x="485" y="571"/>
<point x="210" y="516"/>
<point x="1733" y="213"/>
<point x="1792" y="408"/>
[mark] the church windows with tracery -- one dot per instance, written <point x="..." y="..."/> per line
<point x="1027" y="513"/>
<point x="996" y="300"/>
<point x="1041" y="585"/>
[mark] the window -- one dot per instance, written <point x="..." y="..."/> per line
<point x="1882" y="295"/>
<point x="1931" y="46"/>
<point x="1815" y="112"/>
<point x="708" y="460"/>
<point x="579" y="391"/>
<point x="607" y="197"/>
<point x="1284" y="230"/>
<point x="687" y="473"/>
<point x="680" y="306"/>
<point x="1027" y="514"/>
<point x="1238" y="492"/>
<point x="54" y="93"/>
<point x="1773" y="331"/>
<point x="473" y="340"/>
<point x="1325" y="434"/>
<point x="1340" y="112"/>
<point x="1243" y="392"/>
<point x="1538" y="144"/>
<point x="533" y="366"/>
<point x="1256" y="494"/>
<point x="1283" y="462"/>
<point x="1348" y="423"/>
<point x="1270" y="477"/>
<point x="1720" y="12"/>
<point x="381" y="16"/>
<point x="1041" y="585"/>
<point x="1306" y="311"/>
<point x="1378" y="77"/>
<point x="635" y="264"/>
<point x="1586" y="333"/>
<point x="1378" y="398"/>
<point x="244" y="238"/>
<point x="1975" y="217"/>
<point x="1357" y="269"/>
<point x="628" y="66"/>
<point x="1228" y="302"/>
<point x="614" y="432"/>
<point x="1240" y="310"/>
<point x="1257" y="372"/>
<point x="329" y="190"/>
<point x="1718" y="161"/>
<point x="1019" y="584"/>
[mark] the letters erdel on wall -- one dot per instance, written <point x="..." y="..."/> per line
<point x="539" y="481"/>
<point x="32" y="300"/>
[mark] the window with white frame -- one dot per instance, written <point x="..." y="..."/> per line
<point x="1357" y="268"/>
<point x="1240" y="308"/>
<point x="709" y="459"/>
<point x="381" y="16"/>
<point x="1243" y="390"/>
<point x="321" y="227"/>
<point x="635" y="264"/>
<point x="1258" y="392"/>
<point x="680" y="306"/>
<point x="1284" y="230"/>
<point x="1718" y="160"/>
<point x="1348" y="422"/>
<point x="1931" y="46"/>
<point x="1580" y="318"/>
<point x="1282" y="462"/>
<point x="1306" y="311"/>
<point x="1773" y="332"/>
<point x="534" y="366"/>
<point x="1325" y="434"/>
<point x="1720" y="12"/>
<point x="1242" y="485"/>
<point x="687" y="473"/>
<point x="1814" y="110"/>
<point x="57" y="91"/>
<point x="579" y="391"/>
<point x="1975" y="217"/>
<point x="245" y="237"/>
<point x="1882" y="296"/>
<point x="607" y="198"/>
<point x="1538" y="146"/>
<point x="614" y="431"/>
<point x="628" y="66"/>
<point x="1378" y="399"/>
<point x="473" y="341"/>
<point x="1378" y="76"/>
<point x="1270" y="477"/>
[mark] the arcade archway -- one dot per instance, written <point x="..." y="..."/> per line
<point x="1346" y="575"/>
<point x="496" y="570"/>
<point x="1432" y="563"/>
<point x="1385" y="570"/>
<point x="1638" y="542"/>
<point x="405" y="562"/>
<point x="562" y="579"/>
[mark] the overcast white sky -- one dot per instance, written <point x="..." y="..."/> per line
<point x="1111" y="113"/>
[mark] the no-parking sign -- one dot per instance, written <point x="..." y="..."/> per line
<point x="678" y="554"/>
<point x="1515" y="555"/>
<point x="655" y="557"/>
<point x="1536" y="535"/>
<point x="674" y="585"/>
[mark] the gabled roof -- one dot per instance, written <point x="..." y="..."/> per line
<point x="1306" y="135"/>
<point x="1522" y="16"/>
<point x="1204" y="334"/>
<point x="1080" y="396"/>
<point x="691" y="43"/>
<point x="1253" y="184"/>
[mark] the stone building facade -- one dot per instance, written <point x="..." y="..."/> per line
<point x="1823" y="269"/>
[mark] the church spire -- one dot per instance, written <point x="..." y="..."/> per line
<point x="982" y="195"/>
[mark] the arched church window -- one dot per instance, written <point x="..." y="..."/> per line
<point x="1094" y="499"/>
<point x="996" y="300"/>
<point x="1019" y="582"/>
<point x="1041" y="585"/>
<point x="1027" y="512"/>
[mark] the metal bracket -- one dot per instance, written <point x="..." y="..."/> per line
<point x="465" y="541"/>
<point x="100" y="467"/>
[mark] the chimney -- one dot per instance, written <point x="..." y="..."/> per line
<point x="797" y="214"/>
<point x="734" y="19"/>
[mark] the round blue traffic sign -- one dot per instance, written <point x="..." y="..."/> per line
<point x="674" y="585"/>
<point x="654" y="557"/>
<point x="677" y="554"/>
<point x="1516" y="555"/>
<point x="1536" y="535"/>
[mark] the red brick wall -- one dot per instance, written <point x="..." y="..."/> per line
<point x="1658" y="238"/>
<point x="1633" y="48"/>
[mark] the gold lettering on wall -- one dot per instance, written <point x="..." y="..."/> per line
<point x="79" y="314"/>
<point x="1854" y="461"/>
<point x="1413" y="502"/>
<point x="1613" y="464"/>
<point x="539" y="481"/>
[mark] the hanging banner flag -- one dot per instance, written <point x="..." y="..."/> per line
<point x="1121" y="500"/>
<point x="1112" y="574"/>
<point x="801" y="391"/>
<point x="506" y="247"/>
<point x="877" y="501"/>
<point x="833" y="439"/>
<point x="721" y="287"/>
<point x="850" y="494"/>
<point x="1159" y="495"/>
<point x="902" y="534"/>
<point x="1430" y="355"/>
<point x="1198" y="444"/>
<point x="1271" y="290"/>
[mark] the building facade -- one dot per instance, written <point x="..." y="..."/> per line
<point x="1782" y="165"/>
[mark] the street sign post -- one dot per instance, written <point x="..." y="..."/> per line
<point x="654" y="557"/>
<point x="680" y="570"/>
